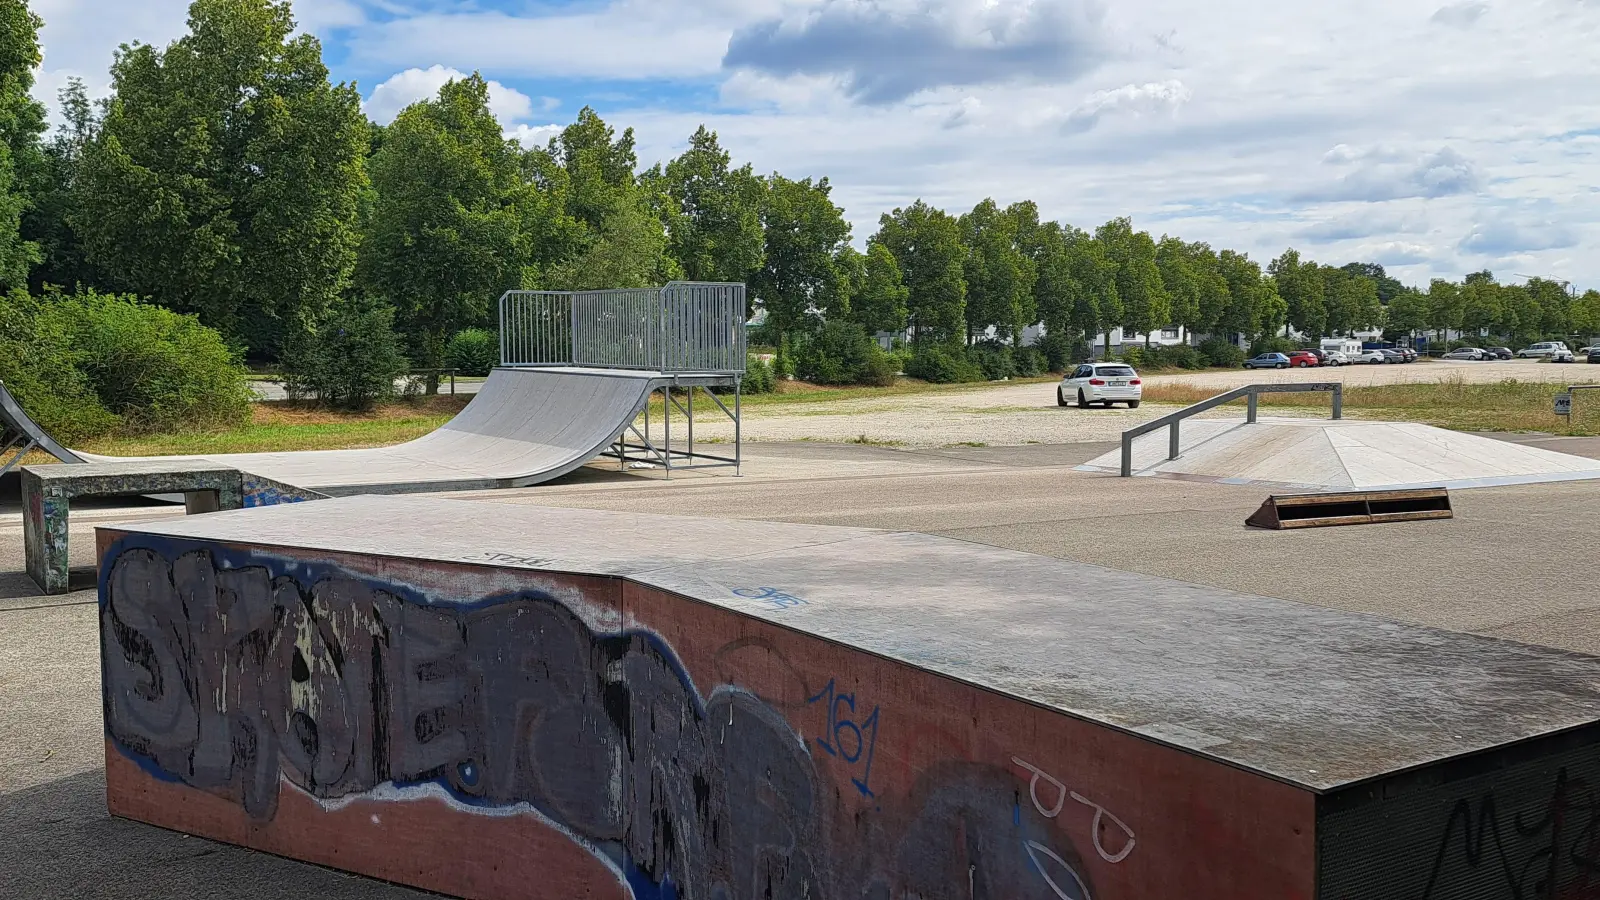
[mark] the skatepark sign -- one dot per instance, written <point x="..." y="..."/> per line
<point x="1564" y="404"/>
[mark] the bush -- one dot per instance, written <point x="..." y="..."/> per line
<point x="473" y="352"/>
<point x="842" y="353"/>
<point x="994" y="359"/>
<point x="1134" y="355"/>
<point x="1030" y="363"/>
<point x="758" y="377"/>
<point x="1221" y="353"/>
<point x="1273" y="344"/>
<point x="1178" y="356"/>
<point x="783" y="362"/>
<point x="349" y="360"/>
<point x="942" y="365"/>
<point x="114" y="363"/>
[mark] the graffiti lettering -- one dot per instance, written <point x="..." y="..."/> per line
<point x="846" y="739"/>
<point x="772" y="597"/>
<point x="233" y="674"/>
<point x="508" y="559"/>
<point x="1062" y="793"/>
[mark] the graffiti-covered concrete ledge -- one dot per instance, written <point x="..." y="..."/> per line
<point x="502" y="701"/>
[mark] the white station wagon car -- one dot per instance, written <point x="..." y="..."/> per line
<point x="1106" y="383"/>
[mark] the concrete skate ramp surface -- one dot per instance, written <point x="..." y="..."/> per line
<point x="526" y="426"/>
<point x="1314" y="454"/>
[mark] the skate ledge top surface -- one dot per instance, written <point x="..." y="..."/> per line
<point x="1315" y="697"/>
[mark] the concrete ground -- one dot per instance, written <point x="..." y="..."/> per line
<point x="1516" y="562"/>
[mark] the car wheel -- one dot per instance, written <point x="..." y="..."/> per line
<point x="1283" y="365"/>
<point x="1061" y="399"/>
<point x="1133" y="404"/>
<point x="1083" y="402"/>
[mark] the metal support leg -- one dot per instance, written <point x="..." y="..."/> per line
<point x="1255" y="404"/>
<point x="1338" y="401"/>
<point x="738" y="442"/>
<point x="1173" y="442"/>
<point x="1127" y="456"/>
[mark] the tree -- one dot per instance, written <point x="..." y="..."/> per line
<point x="1444" y="308"/>
<point x="227" y="171"/>
<point x="1387" y="288"/>
<point x="1300" y="284"/>
<point x="446" y="232"/>
<point x="802" y="276"/>
<point x="926" y="243"/>
<point x="1096" y="302"/>
<point x="1211" y="288"/>
<point x="1182" y="279"/>
<point x="1144" y="298"/>
<point x="1586" y="315"/>
<point x="715" y="229"/>
<point x="63" y="261"/>
<point x="1350" y="301"/>
<point x="1553" y="302"/>
<point x="878" y="298"/>
<point x="1481" y="308"/>
<point x="1248" y="305"/>
<point x="999" y="276"/>
<point x="21" y="123"/>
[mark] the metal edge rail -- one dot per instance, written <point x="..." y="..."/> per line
<point x="1173" y="421"/>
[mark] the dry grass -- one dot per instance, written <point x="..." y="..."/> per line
<point x="289" y="426"/>
<point x="1516" y="406"/>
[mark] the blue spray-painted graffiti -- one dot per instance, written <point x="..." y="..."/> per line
<point x="772" y="597"/>
<point x="232" y="671"/>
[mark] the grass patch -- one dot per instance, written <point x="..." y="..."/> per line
<point x="1515" y="406"/>
<point x="967" y="444"/>
<point x="284" y="426"/>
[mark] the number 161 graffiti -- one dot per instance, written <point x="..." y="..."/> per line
<point x="853" y="742"/>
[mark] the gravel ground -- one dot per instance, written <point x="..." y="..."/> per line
<point x="1018" y="414"/>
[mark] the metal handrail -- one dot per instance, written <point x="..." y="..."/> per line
<point x="1254" y="391"/>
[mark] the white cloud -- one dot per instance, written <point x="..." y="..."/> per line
<point x="1504" y="236"/>
<point x="883" y="51"/>
<point x="1381" y="175"/>
<point x="1460" y="15"/>
<point x="532" y="136"/>
<point x="1135" y="99"/>
<point x="405" y="88"/>
<point x="321" y="16"/>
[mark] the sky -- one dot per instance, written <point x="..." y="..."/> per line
<point x="1435" y="138"/>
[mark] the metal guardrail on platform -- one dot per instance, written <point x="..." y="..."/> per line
<point x="683" y="327"/>
<point x="1173" y="421"/>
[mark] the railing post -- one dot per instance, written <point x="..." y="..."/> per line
<point x="1338" y="400"/>
<point x="1255" y="402"/>
<point x="1127" y="455"/>
<point x="1173" y="440"/>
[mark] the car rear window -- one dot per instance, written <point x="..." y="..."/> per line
<point x="1114" y="371"/>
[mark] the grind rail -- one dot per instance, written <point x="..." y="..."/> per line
<point x="1174" y="421"/>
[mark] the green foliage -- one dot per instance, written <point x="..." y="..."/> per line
<point x="926" y="244"/>
<point x="805" y="234"/>
<point x="1140" y="293"/>
<point x="21" y="123"/>
<point x="1030" y="362"/>
<point x="446" y="233"/>
<point x="758" y="376"/>
<point x="783" y="362"/>
<point x="473" y="351"/>
<point x="993" y="359"/>
<point x="1178" y="356"/>
<point x="1301" y="287"/>
<point x="350" y="360"/>
<point x="999" y="275"/>
<point x="878" y="296"/>
<point x="714" y="224"/>
<point x="841" y="352"/>
<point x="225" y="176"/>
<point x="1134" y="355"/>
<point x="942" y="364"/>
<point x="1272" y="344"/>
<point x="87" y="364"/>
<point x="1221" y="353"/>
<point x="1062" y="351"/>
<point x="63" y="260"/>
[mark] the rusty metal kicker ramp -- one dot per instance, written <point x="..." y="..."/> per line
<point x="525" y="426"/>
<point x="568" y="702"/>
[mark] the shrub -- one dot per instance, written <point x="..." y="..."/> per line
<point x="1134" y="355"/>
<point x="783" y="362"/>
<point x="350" y="360"/>
<point x="1030" y="363"/>
<point x="39" y="365"/>
<point x="1273" y="344"/>
<point x="1057" y="350"/>
<point x="994" y="359"/>
<point x="473" y="352"/>
<point x="942" y="365"/>
<point x="842" y="353"/>
<point x="758" y="377"/>
<point x="1221" y="353"/>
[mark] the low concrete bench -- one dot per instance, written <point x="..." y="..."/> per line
<point x="47" y="492"/>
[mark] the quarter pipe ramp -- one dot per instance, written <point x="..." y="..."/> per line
<point x="524" y="427"/>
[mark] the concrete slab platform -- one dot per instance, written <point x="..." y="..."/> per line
<point x="1311" y="455"/>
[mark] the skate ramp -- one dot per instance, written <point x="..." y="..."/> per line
<point x="524" y="427"/>
<point x="1311" y="454"/>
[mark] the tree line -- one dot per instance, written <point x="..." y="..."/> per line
<point x="227" y="177"/>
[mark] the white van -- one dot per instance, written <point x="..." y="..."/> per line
<point x="1348" y="347"/>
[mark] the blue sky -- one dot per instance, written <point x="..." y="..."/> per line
<point x="1434" y="137"/>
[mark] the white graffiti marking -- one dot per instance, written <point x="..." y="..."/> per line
<point x="1100" y="812"/>
<point x="1034" y="848"/>
<point x="1033" y="789"/>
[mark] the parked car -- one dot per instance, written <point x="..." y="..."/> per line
<point x="1304" y="359"/>
<point x="1393" y="356"/>
<point x="1543" y="350"/>
<point x="1336" y="358"/>
<point x="1562" y="355"/>
<point x="1585" y="351"/>
<point x="1321" y="355"/>
<point x="1268" y="361"/>
<point x="1372" y="357"/>
<point x="1498" y="353"/>
<point x="1472" y="353"/>
<point x="1106" y="383"/>
<point x="1410" y="354"/>
<point x="1594" y="355"/>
